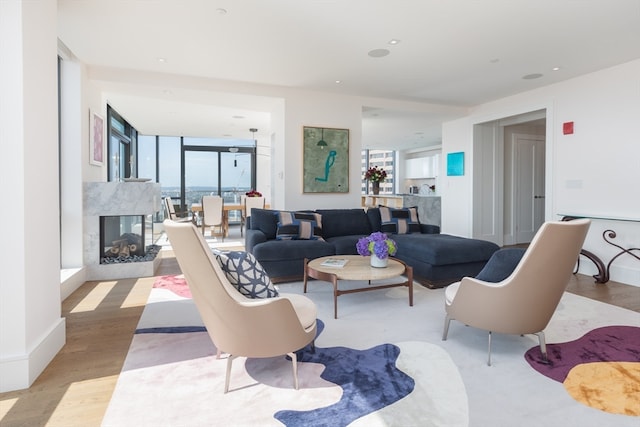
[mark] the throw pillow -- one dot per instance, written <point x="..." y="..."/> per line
<point x="299" y="226"/>
<point x="399" y="221"/>
<point x="245" y="273"/>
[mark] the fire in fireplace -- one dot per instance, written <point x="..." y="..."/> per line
<point x="126" y="238"/>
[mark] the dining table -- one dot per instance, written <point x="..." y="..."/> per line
<point x="196" y="208"/>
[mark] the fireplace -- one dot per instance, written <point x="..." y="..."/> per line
<point x="118" y="218"/>
<point x="125" y="238"/>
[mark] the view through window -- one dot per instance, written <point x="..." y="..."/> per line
<point x="384" y="159"/>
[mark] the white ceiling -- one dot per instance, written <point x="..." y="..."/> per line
<point x="455" y="53"/>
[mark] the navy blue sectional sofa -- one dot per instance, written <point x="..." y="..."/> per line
<point x="437" y="259"/>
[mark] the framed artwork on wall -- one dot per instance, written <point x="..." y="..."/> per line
<point x="325" y="160"/>
<point x="455" y="164"/>
<point x="96" y="139"/>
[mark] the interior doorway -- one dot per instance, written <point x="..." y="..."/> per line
<point x="509" y="177"/>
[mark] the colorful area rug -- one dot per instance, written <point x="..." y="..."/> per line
<point x="381" y="363"/>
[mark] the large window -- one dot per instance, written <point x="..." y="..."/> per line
<point x="384" y="159"/>
<point x="122" y="147"/>
<point x="189" y="168"/>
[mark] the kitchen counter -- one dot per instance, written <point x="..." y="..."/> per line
<point x="428" y="204"/>
<point x="429" y="207"/>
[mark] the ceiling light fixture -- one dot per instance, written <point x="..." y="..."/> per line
<point x="556" y="68"/>
<point x="378" y="53"/>
<point x="394" y="41"/>
<point x="532" y="76"/>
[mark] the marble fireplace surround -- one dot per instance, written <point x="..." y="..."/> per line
<point x="112" y="199"/>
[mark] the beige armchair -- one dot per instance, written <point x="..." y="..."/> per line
<point x="249" y="203"/>
<point x="236" y="324"/>
<point x="213" y="215"/>
<point x="524" y="302"/>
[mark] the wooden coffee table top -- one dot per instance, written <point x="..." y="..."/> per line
<point x="358" y="268"/>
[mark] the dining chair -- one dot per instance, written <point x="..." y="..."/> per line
<point x="213" y="215"/>
<point x="170" y="212"/>
<point x="249" y="203"/>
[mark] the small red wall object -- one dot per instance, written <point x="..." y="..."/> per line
<point x="567" y="128"/>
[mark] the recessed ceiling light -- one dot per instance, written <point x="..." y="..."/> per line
<point x="162" y="60"/>
<point x="532" y="76"/>
<point x="394" y="41"/>
<point x="556" y="68"/>
<point x="338" y="81"/>
<point x="221" y="11"/>
<point x="378" y="53"/>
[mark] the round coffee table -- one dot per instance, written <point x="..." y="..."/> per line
<point x="357" y="268"/>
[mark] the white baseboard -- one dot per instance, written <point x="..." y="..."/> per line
<point x="621" y="274"/>
<point x="70" y="280"/>
<point x="20" y="371"/>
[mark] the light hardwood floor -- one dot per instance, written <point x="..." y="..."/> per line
<point x="75" y="389"/>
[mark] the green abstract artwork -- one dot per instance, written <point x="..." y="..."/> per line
<point x="325" y="160"/>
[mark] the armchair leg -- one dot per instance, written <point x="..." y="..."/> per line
<point x="294" y="361"/>
<point x="489" y="360"/>
<point x="543" y="346"/>
<point x="226" y="380"/>
<point x="445" y="332"/>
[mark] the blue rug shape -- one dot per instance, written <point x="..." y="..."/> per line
<point x="369" y="379"/>
<point x="171" y="330"/>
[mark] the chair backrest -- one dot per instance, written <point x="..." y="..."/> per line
<point x="212" y="210"/>
<point x="236" y="324"/>
<point x="253" y="202"/>
<point x="170" y="209"/>
<point x="525" y="301"/>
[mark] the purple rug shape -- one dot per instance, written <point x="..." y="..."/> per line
<point x="607" y="344"/>
<point x="369" y="379"/>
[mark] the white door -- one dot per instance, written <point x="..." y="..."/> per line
<point x="528" y="186"/>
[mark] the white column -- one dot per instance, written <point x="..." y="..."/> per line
<point x="31" y="328"/>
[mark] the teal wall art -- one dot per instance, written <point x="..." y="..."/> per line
<point x="455" y="164"/>
<point x="325" y="160"/>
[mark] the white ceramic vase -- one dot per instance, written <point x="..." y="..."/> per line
<point x="378" y="262"/>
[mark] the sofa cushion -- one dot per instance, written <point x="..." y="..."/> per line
<point x="501" y="265"/>
<point x="399" y="221"/>
<point x="344" y="222"/>
<point x="245" y="273"/>
<point x="443" y="249"/>
<point x="265" y="220"/>
<point x="288" y="250"/>
<point x="345" y="245"/>
<point x="299" y="226"/>
<point x="374" y="219"/>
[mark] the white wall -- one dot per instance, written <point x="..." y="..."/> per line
<point x="595" y="171"/>
<point x="319" y="110"/>
<point x="31" y="328"/>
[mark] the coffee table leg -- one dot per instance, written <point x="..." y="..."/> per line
<point x="335" y="296"/>
<point x="410" y="283"/>
<point x="306" y="261"/>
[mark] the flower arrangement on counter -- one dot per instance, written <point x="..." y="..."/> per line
<point x="375" y="174"/>
<point x="253" y="193"/>
<point x="377" y="244"/>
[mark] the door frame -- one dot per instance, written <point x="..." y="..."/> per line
<point x="488" y="201"/>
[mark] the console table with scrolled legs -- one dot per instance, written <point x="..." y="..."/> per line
<point x="603" y="270"/>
